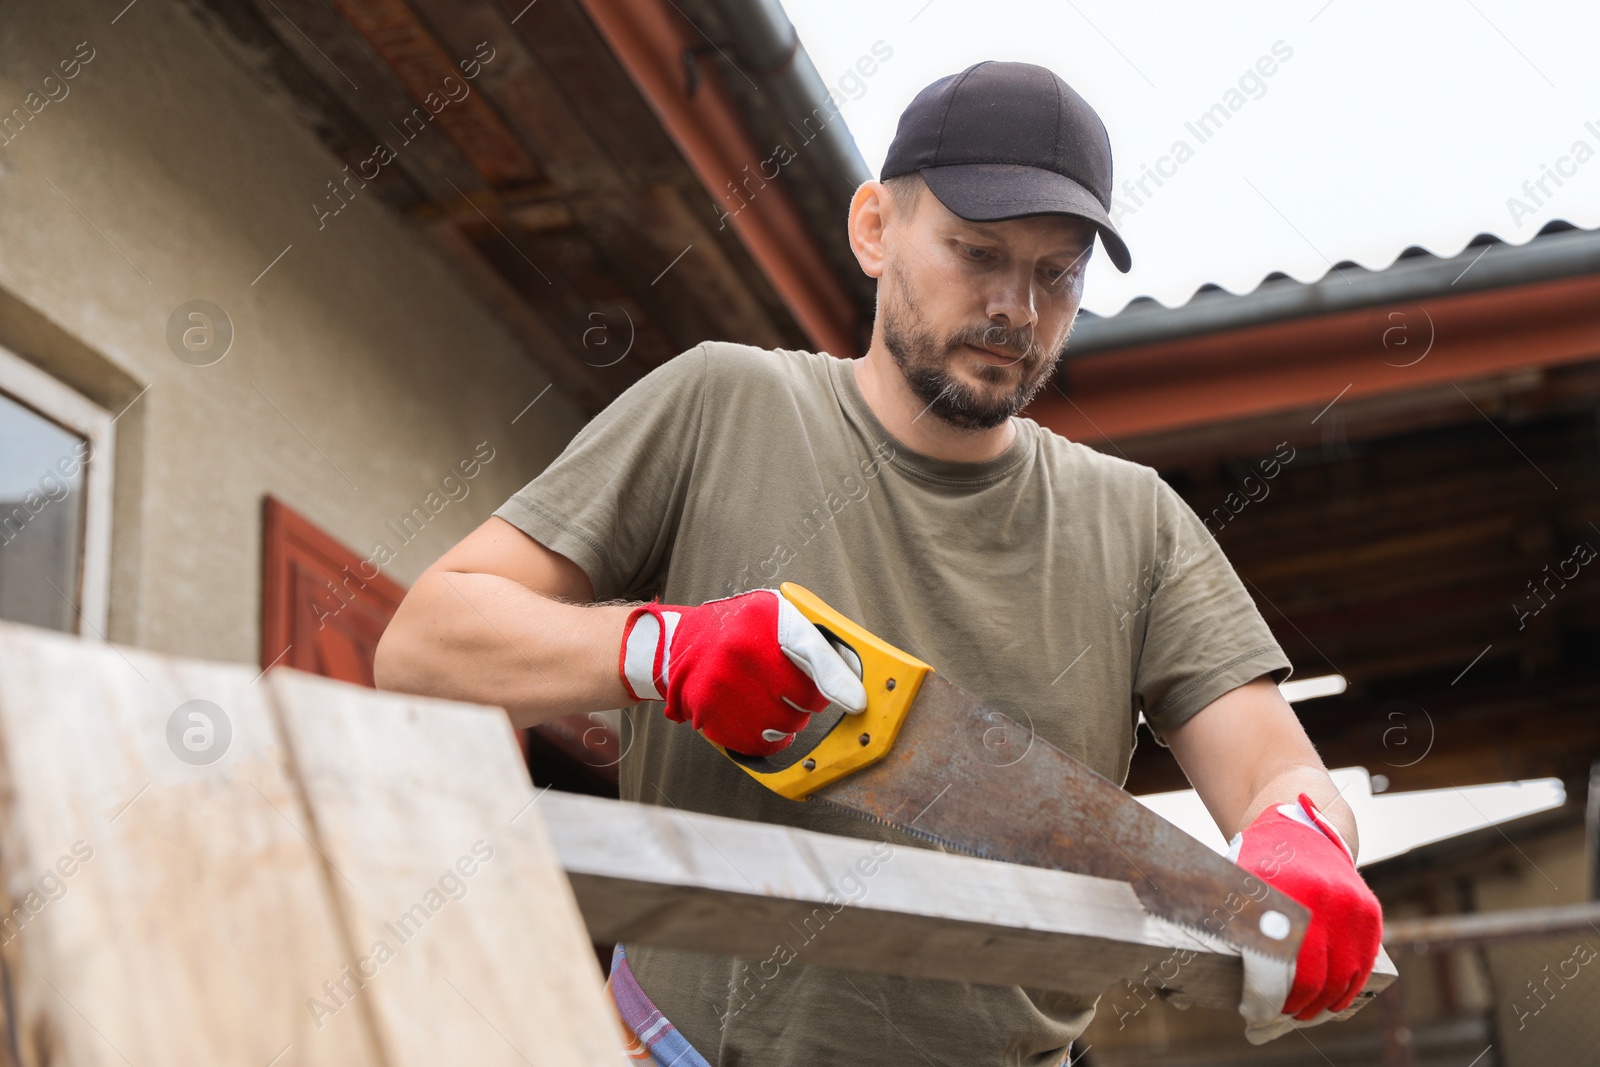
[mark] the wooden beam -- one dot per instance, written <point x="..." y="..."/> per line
<point x="332" y="51"/>
<point x="432" y="76"/>
<point x="1520" y="396"/>
<point x="703" y="294"/>
<point x="587" y="79"/>
<point x="772" y="894"/>
<point x="1303" y="364"/>
<point x="545" y="105"/>
<point x="624" y="180"/>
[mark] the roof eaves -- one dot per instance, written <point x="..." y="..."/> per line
<point x="1558" y="251"/>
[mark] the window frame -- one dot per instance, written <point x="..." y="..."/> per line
<point x="54" y="400"/>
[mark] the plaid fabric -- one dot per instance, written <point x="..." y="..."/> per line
<point x="648" y="1036"/>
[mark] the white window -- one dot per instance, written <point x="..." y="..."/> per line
<point x="55" y="502"/>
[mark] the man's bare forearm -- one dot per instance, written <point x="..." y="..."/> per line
<point x="1286" y="787"/>
<point x="486" y="639"/>
<point x="1246" y="751"/>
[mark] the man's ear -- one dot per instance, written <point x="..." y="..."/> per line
<point x="870" y="208"/>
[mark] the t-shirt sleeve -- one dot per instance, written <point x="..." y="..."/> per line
<point x="612" y="500"/>
<point x="1203" y="634"/>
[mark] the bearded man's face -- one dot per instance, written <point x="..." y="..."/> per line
<point x="976" y="315"/>
<point x="990" y="393"/>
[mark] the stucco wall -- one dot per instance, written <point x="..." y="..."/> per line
<point x="361" y="372"/>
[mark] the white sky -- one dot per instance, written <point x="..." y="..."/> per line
<point x="1391" y="124"/>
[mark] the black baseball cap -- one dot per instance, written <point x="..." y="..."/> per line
<point x="1002" y="140"/>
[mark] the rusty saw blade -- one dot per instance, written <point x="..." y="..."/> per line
<point x="931" y="760"/>
<point x="972" y="779"/>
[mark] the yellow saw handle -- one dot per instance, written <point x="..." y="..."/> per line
<point x="891" y="678"/>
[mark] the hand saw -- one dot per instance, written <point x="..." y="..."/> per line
<point x="929" y="759"/>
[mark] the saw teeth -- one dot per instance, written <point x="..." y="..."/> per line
<point x="1205" y="937"/>
<point x="911" y="831"/>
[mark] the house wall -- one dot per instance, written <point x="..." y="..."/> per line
<point x="361" y="372"/>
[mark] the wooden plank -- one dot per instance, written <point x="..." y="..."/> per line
<point x="159" y="910"/>
<point x="533" y="102"/>
<point x="431" y="76"/>
<point x="596" y="87"/>
<point x="468" y="933"/>
<point x="333" y="52"/>
<point x="770" y="894"/>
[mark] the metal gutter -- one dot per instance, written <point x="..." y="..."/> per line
<point x="768" y="48"/>
<point x="1480" y="266"/>
<point x="651" y="39"/>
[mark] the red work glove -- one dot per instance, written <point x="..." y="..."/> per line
<point x="746" y="671"/>
<point x="1296" y="850"/>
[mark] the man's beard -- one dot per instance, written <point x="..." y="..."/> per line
<point x="923" y="358"/>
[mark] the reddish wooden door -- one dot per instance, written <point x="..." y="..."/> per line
<point x="323" y="610"/>
<point x="323" y="607"/>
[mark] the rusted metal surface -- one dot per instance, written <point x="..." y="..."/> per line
<point x="969" y="778"/>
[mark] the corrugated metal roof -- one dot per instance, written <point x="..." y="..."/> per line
<point x="1487" y="262"/>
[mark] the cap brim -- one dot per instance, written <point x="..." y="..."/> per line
<point x="993" y="192"/>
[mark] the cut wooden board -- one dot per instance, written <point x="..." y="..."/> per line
<point x="196" y="919"/>
<point x="227" y="912"/>
<point x="446" y="879"/>
<point x="768" y="894"/>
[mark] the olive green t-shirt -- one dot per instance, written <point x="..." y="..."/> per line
<point x="1067" y="588"/>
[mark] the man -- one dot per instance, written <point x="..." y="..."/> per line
<point x="1067" y="588"/>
